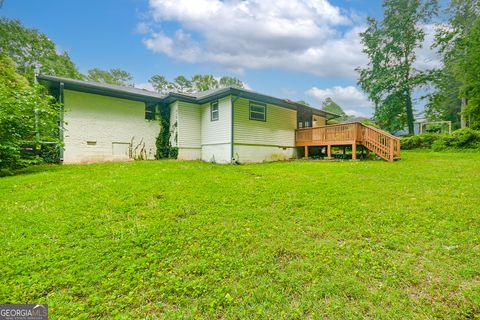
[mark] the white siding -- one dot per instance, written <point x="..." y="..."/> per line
<point x="216" y="135"/>
<point x="188" y="130"/>
<point x="108" y="124"/>
<point x="247" y="153"/>
<point x="270" y="140"/>
<point x="218" y="153"/>
<point x="174" y="124"/>
<point x="278" y="130"/>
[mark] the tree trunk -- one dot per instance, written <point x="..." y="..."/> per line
<point x="410" y="118"/>
<point x="463" y="120"/>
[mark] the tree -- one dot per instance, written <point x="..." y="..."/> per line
<point x="230" y="82"/>
<point x="467" y="70"/>
<point x="27" y="116"/>
<point x="331" y="106"/>
<point x="117" y="77"/>
<point x="29" y="49"/>
<point x="448" y="101"/>
<point x="390" y="44"/>
<point x="197" y="83"/>
<point x="204" y="82"/>
<point x="305" y="103"/>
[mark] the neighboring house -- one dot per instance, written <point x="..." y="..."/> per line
<point x="105" y="123"/>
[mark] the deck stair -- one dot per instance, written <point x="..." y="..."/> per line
<point x="380" y="142"/>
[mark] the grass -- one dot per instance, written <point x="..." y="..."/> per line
<point x="280" y="240"/>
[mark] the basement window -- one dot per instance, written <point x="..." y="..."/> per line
<point x="258" y="111"/>
<point x="214" y="114"/>
<point x="150" y="111"/>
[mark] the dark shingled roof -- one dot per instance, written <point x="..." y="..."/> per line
<point x="150" y="96"/>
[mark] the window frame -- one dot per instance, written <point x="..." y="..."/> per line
<point x="257" y="104"/>
<point x="212" y="105"/>
<point x="150" y="111"/>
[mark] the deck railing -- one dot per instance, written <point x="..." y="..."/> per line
<point x="382" y="143"/>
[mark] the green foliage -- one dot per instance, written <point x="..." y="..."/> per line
<point x="117" y="77"/>
<point x="19" y="103"/>
<point x="456" y="44"/>
<point x="305" y="103"/>
<point x="197" y="83"/>
<point x="465" y="138"/>
<point x="331" y="106"/>
<point x="419" y="141"/>
<point x="164" y="147"/>
<point x="390" y="45"/>
<point x="444" y="103"/>
<point x="468" y="72"/>
<point x="193" y="240"/>
<point x="29" y="47"/>
<point x="460" y="139"/>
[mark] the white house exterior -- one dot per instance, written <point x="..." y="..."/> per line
<point x="108" y="123"/>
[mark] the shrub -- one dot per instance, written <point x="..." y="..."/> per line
<point x="465" y="138"/>
<point x="420" y="141"/>
<point x="24" y="111"/>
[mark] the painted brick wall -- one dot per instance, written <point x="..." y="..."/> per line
<point x="97" y="126"/>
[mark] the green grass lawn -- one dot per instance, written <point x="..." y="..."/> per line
<point x="167" y="239"/>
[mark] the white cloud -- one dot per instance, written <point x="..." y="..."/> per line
<point x="347" y="97"/>
<point x="298" y="35"/>
<point x="428" y="58"/>
<point x="312" y="36"/>
<point x="355" y="113"/>
<point x="143" y="28"/>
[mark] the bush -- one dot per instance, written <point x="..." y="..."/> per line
<point x="420" y="141"/>
<point x="24" y="109"/>
<point x="465" y="138"/>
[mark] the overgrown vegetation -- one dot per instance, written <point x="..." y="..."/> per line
<point x="30" y="49"/>
<point x="286" y="240"/>
<point x="28" y="118"/>
<point x="465" y="138"/>
<point x="163" y="144"/>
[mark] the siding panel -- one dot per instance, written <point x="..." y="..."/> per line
<point x="189" y="125"/>
<point x="278" y="130"/>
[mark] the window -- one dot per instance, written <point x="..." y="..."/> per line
<point x="150" y="110"/>
<point x="214" y="111"/>
<point x="258" y="111"/>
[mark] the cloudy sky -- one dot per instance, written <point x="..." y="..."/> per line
<point x="296" y="49"/>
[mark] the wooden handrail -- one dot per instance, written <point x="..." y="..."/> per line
<point x="382" y="143"/>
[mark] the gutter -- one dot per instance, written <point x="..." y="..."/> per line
<point x="61" y="100"/>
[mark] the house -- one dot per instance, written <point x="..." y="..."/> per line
<point x="105" y="123"/>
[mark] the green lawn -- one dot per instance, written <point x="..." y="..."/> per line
<point x="167" y="239"/>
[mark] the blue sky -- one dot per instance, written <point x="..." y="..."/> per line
<point x="296" y="49"/>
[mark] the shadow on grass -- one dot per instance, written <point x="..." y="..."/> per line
<point x="30" y="170"/>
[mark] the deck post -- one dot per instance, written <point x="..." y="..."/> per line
<point x="306" y="152"/>
<point x="329" y="151"/>
<point x="354" y="151"/>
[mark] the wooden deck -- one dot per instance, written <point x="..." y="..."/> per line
<point x="375" y="140"/>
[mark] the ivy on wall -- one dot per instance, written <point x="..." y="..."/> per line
<point x="164" y="147"/>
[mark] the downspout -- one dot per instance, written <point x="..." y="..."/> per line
<point x="232" y="158"/>
<point x="62" y="111"/>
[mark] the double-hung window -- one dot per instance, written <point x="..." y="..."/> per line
<point x="258" y="111"/>
<point x="214" y="115"/>
<point x="150" y="111"/>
